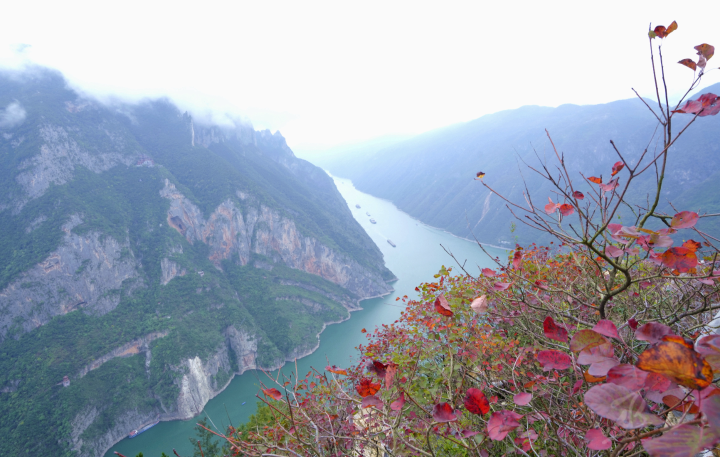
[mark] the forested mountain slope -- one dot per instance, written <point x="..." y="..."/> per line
<point x="431" y="176"/>
<point x="147" y="259"/>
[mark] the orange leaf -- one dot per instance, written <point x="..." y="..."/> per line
<point x="595" y="180"/>
<point x="705" y="50"/>
<point x="689" y="63"/>
<point x="336" y="370"/>
<point x="367" y="387"/>
<point x="681" y="259"/>
<point x="274" y="393"/>
<point x="590" y="378"/>
<point x="691" y="245"/>
<point x="617" y="167"/>
<point x="678" y="362"/>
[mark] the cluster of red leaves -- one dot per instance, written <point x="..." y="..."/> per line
<point x="599" y="345"/>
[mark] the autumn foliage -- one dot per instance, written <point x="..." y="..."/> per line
<point x="600" y="345"/>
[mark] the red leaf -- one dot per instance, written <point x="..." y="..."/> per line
<point x="627" y="375"/>
<point x="522" y="399"/>
<point x="689" y="63"/>
<point x="488" y="272"/>
<point x="597" y="441"/>
<point x="336" y="370"/>
<point x="442" y="306"/>
<point x="399" y="403"/>
<point x="680" y="259"/>
<point x="632" y="323"/>
<point x="367" y="387"/>
<point x="553" y="331"/>
<point x="517" y="259"/>
<point x="554" y="360"/>
<point x="684" y="219"/>
<point x="656" y="381"/>
<point x="595" y="180"/>
<point x="652" y="332"/>
<point x="501" y="423"/>
<point x="371" y="400"/>
<point x="607" y="328"/>
<point x="621" y="405"/>
<point x="585" y="339"/>
<point x="476" y="402"/>
<point x="273" y="393"/>
<point x="377" y="367"/>
<point x="443" y="412"/>
<point x="579" y="195"/>
<point x="480" y="305"/>
<point x="566" y="209"/>
<point x="390" y="374"/>
<point x="705" y="50"/>
<point x="683" y="440"/>
<point x="502" y="285"/>
<point x="576" y="387"/>
<point x="617" y="167"/>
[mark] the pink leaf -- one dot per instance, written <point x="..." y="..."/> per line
<point x="553" y="331"/>
<point x="597" y="441"/>
<point x="607" y="328"/>
<point x="657" y="382"/>
<point x="488" y="272"/>
<point x="627" y="375"/>
<point x="502" y="285"/>
<point x="711" y="408"/>
<point x="522" y="399"/>
<point x="442" y="306"/>
<point x="501" y="423"/>
<point x="480" y="305"/>
<point x="612" y="251"/>
<point x="443" y="412"/>
<point x="372" y="400"/>
<point x="610" y="186"/>
<point x="554" y="360"/>
<point x="399" y="403"/>
<point x="551" y="207"/>
<point x="579" y="195"/>
<point x="621" y="405"/>
<point x="652" y="332"/>
<point x="517" y="259"/>
<point x="683" y="440"/>
<point x="684" y="219"/>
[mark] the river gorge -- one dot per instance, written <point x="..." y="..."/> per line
<point x="418" y="255"/>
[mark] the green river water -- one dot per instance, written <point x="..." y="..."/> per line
<point x="417" y="257"/>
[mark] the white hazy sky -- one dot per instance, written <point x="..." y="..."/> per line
<point x="325" y="73"/>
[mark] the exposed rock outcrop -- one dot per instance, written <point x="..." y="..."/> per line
<point x="81" y="273"/>
<point x="170" y="270"/>
<point x="262" y="230"/>
<point x="126" y="350"/>
<point x="58" y="157"/>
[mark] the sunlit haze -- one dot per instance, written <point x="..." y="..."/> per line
<point x="327" y="73"/>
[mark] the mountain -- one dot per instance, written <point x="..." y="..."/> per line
<point x="145" y="259"/>
<point x="430" y="176"/>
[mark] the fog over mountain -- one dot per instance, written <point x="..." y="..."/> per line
<point x="431" y="176"/>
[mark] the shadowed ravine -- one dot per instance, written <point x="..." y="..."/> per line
<point x="416" y="258"/>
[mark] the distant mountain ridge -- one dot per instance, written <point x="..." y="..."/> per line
<point x="431" y="175"/>
<point x="149" y="259"/>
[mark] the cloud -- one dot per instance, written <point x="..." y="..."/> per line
<point x="12" y="116"/>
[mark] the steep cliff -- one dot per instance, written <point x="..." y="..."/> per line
<point x="146" y="259"/>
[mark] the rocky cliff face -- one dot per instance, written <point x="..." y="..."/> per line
<point x="234" y="235"/>
<point x="58" y="157"/>
<point x="81" y="274"/>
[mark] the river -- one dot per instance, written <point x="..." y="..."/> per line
<point x="417" y="257"/>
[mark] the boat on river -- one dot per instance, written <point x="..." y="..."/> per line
<point x="391" y="243"/>
<point x="367" y="212"/>
<point x="357" y="206"/>
<point x="135" y="433"/>
<point x="372" y="221"/>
